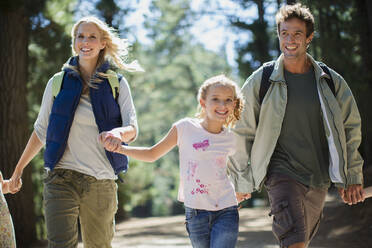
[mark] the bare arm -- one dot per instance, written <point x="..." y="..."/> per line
<point x="32" y="148"/>
<point x="148" y="154"/>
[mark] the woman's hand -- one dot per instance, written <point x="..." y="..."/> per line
<point x="15" y="182"/>
<point x="110" y="141"/>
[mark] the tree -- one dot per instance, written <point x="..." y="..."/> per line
<point x="15" y="23"/>
<point x="253" y="53"/>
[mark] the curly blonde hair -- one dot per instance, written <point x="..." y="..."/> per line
<point x="222" y="80"/>
<point x="116" y="49"/>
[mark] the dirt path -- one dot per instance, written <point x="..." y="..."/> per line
<point x="337" y="230"/>
<point x="254" y="231"/>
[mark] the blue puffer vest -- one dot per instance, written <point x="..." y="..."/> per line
<point x="106" y="112"/>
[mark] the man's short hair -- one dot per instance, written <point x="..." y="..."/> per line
<point x="298" y="11"/>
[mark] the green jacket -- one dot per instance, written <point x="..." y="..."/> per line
<point x="259" y="128"/>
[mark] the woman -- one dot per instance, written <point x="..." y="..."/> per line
<point x="80" y="181"/>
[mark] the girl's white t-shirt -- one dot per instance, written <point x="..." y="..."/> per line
<point x="204" y="183"/>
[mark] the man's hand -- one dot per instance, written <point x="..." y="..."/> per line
<point x="353" y="194"/>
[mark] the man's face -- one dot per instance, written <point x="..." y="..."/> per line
<point x="292" y="38"/>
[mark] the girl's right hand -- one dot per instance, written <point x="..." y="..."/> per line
<point x="242" y="196"/>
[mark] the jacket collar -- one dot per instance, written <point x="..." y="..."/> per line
<point x="278" y="73"/>
<point x="73" y="61"/>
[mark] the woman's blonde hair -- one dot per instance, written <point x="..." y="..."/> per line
<point x="222" y="80"/>
<point x="116" y="49"/>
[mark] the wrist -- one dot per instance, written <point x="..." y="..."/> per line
<point x="18" y="173"/>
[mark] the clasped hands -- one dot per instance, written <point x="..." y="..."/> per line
<point x="352" y="194"/>
<point x="13" y="185"/>
<point x="111" y="140"/>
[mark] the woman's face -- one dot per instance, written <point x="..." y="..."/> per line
<point x="88" y="41"/>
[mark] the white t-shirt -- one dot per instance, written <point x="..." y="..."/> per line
<point x="204" y="183"/>
<point x="83" y="152"/>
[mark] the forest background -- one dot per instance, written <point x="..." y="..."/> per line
<point x="180" y="43"/>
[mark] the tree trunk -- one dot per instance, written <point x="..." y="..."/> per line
<point x="364" y="23"/>
<point x="14" y="26"/>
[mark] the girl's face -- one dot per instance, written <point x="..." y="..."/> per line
<point x="88" y="41"/>
<point x="219" y="103"/>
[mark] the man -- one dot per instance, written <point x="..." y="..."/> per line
<point x="300" y="138"/>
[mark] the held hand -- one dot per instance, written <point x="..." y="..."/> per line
<point x="5" y="186"/>
<point x="15" y="182"/>
<point x="110" y="142"/>
<point x="242" y="196"/>
<point x="353" y="194"/>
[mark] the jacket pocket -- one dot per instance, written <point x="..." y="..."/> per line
<point x="282" y="220"/>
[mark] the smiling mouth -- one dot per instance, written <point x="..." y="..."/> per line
<point x="86" y="50"/>
<point x="222" y="113"/>
<point x="291" y="48"/>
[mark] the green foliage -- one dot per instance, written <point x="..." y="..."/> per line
<point x="176" y="64"/>
<point x="166" y="93"/>
<point x="257" y="50"/>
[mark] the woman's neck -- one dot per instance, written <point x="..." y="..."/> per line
<point x="87" y="68"/>
<point x="212" y="126"/>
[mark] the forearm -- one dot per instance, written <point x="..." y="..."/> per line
<point x="146" y="154"/>
<point x="32" y="148"/>
<point x="126" y="134"/>
<point x="353" y="135"/>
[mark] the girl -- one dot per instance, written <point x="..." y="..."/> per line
<point x="80" y="174"/>
<point x="7" y="237"/>
<point x="204" y="145"/>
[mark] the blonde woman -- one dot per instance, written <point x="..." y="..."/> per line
<point x="80" y="174"/>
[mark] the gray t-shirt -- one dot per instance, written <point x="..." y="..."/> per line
<point x="302" y="151"/>
<point x="83" y="152"/>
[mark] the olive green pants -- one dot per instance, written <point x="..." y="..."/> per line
<point x="69" y="196"/>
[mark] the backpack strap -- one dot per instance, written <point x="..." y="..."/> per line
<point x="112" y="78"/>
<point x="329" y="80"/>
<point x="265" y="83"/>
<point x="268" y="69"/>
<point x="57" y="83"/>
<point x="114" y="83"/>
